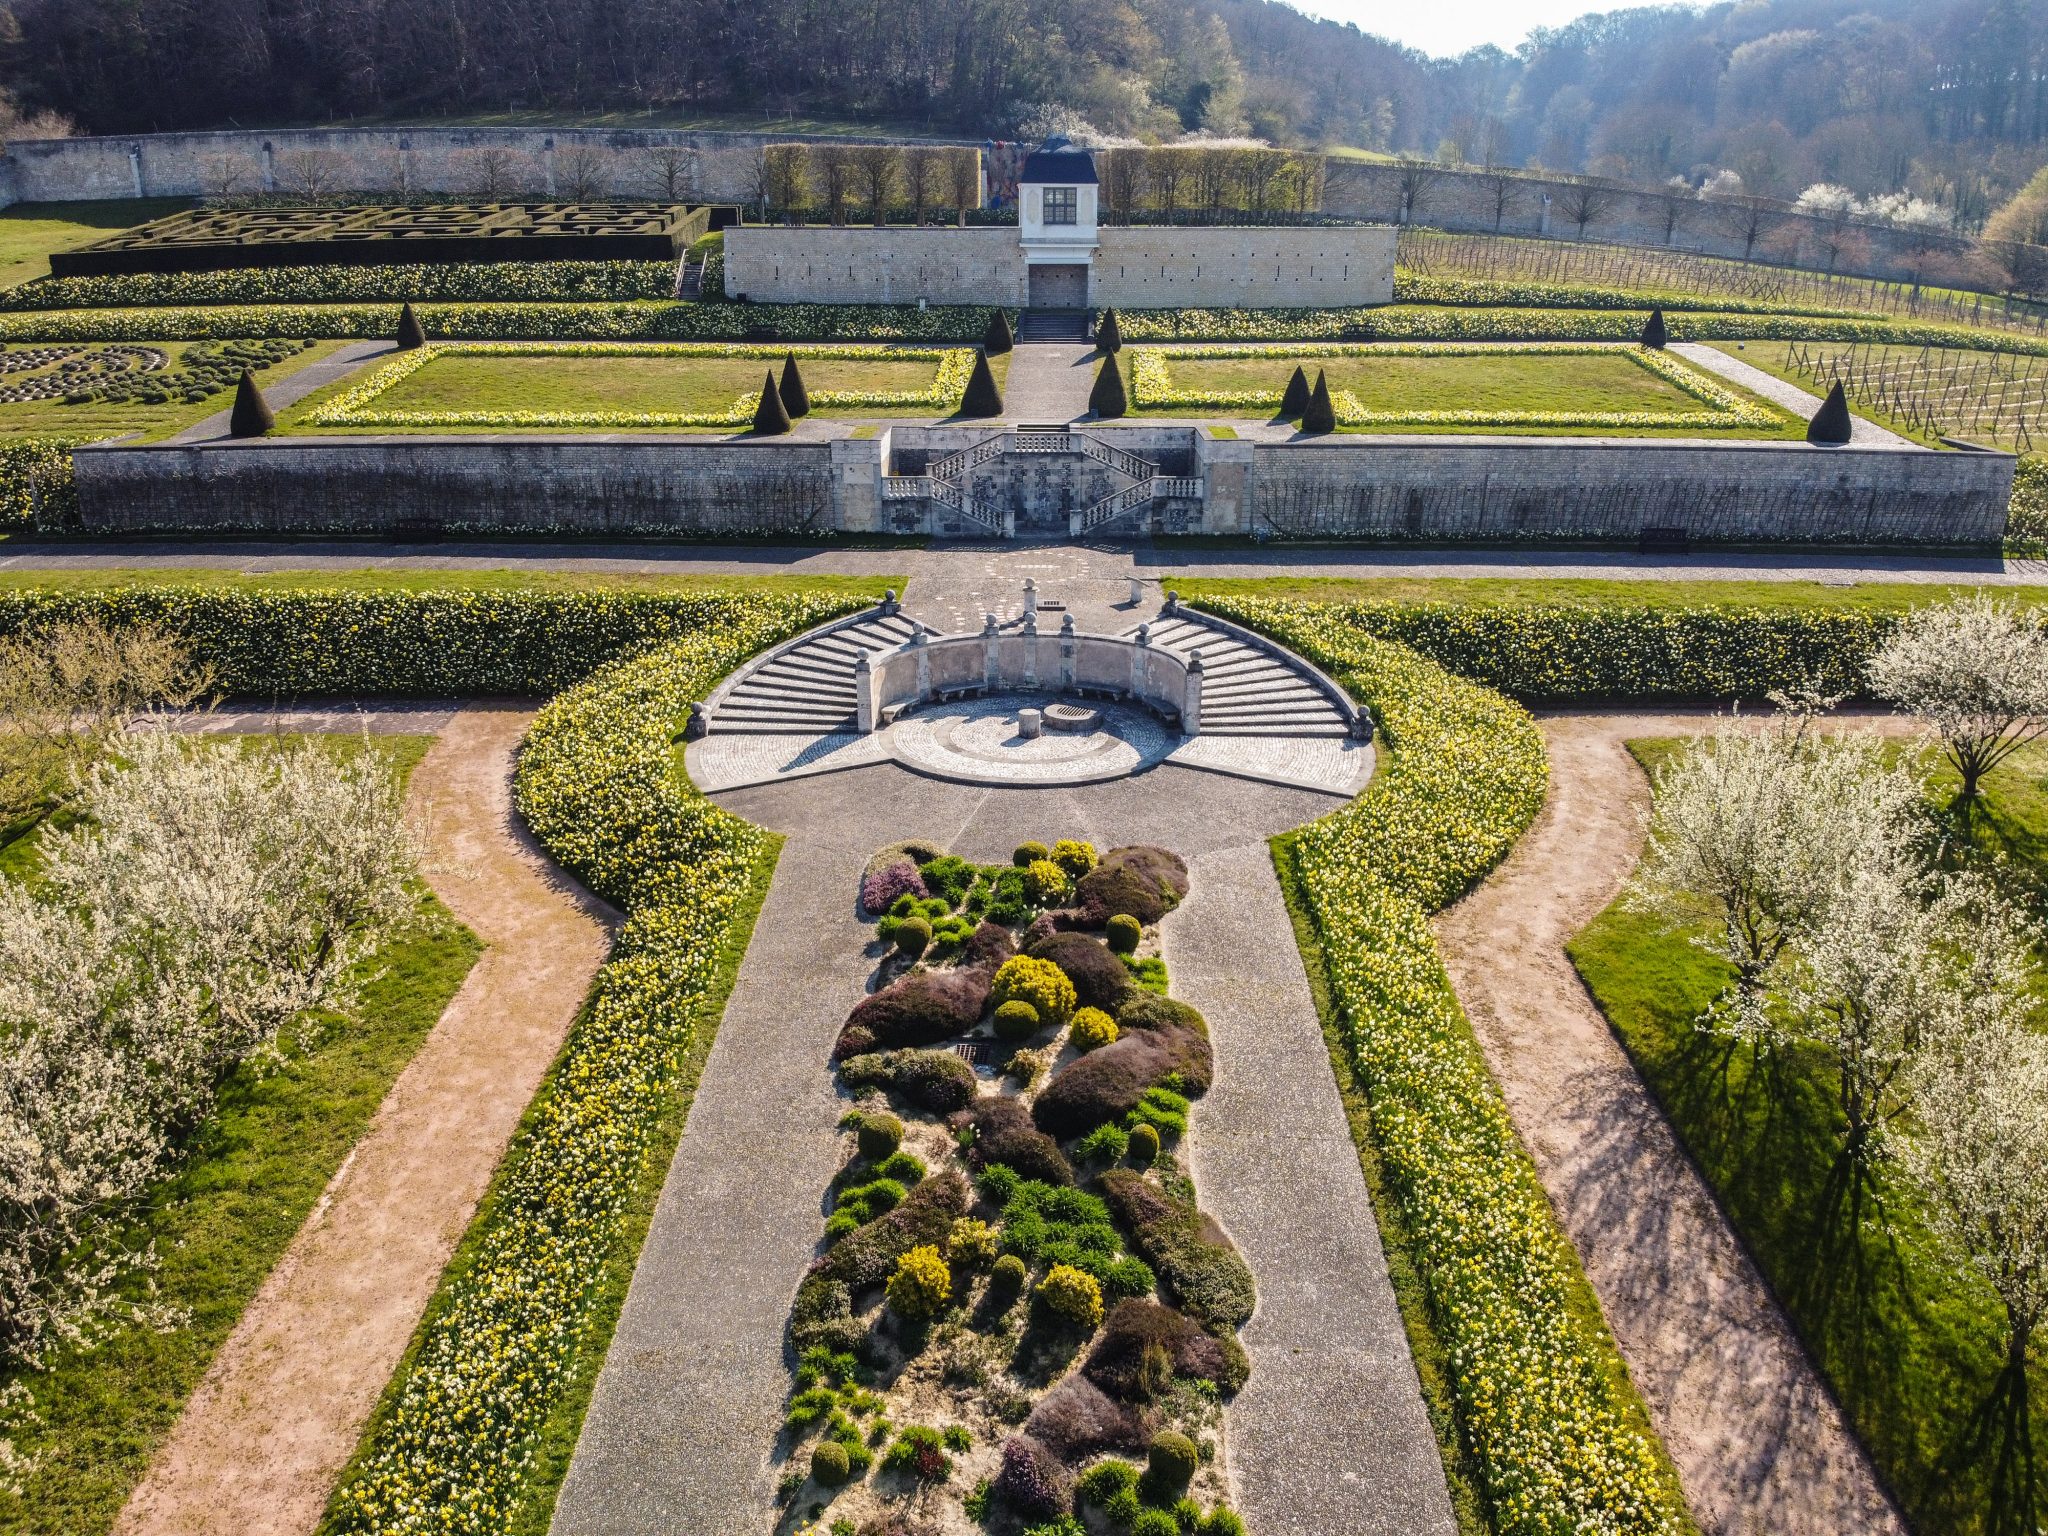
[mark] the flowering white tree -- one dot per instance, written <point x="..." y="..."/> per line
<point x="1758" y="829"/>
<point x="1977" y="671"/>
<point x="1825" y="200"/>
<point x="1980" y="1154"/>
<point x="208" y="899"/>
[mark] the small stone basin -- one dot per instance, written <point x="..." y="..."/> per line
<point x="1027" y="724"/>
<point x="1071" y="717"/>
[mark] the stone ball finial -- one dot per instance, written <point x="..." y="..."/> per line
<point x="1144" y="634"/>
<point x="1067" y="625"/>
<point x="988" y="623"/>
<point x="1173" y="602"/>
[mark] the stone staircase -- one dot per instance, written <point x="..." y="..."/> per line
<point x="806" y="688"/>
<point x="1052" y="325"/>
<point x="1247" y="691"/>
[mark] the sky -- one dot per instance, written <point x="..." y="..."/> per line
<point x="1447" y="27"/>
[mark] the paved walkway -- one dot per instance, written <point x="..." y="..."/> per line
<point x="991" y="575"/>
<point x="1049" y="381"/>
<point x="294" y="387"/>
<point x="1759" y="1443"/>
<point x="688" y="1405"/>
<point x="283" y="1405"/>
<point x="1862" y="434"/>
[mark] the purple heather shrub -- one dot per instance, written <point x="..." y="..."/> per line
<point x="878" y="892"/>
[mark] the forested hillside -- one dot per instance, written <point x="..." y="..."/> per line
<point x="1947" y="98"/>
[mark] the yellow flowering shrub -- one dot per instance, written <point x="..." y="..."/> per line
<point x="921" y="1285"/>
<point x="597" y="785"/>
<point x="1040" y="983"/>
<point x="1071" y="1294"/>
<point x="1461" y="775"/>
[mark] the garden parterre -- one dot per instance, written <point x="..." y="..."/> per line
<point x="1152" y="387"/>
<point x="357" y="405"/>
<point x="597" y="784"/>
<point x="1534" y="1386"/>
<point x="456" y="282"/>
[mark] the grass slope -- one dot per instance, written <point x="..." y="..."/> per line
<point x="222" y="1221"/>
<point x="1908" y="1343"/>
<point x="1510" y="592"/>
<point x="30" y="231"/>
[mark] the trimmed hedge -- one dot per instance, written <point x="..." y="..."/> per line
<point x="597" y="784"/>
<point x="1421" y="288"/>
<point x="1532" y="1382"/>
<point x="2028" y="524"/>
<point x="624" y="321"/>
<point x="472" y="282"/>
<point x="35" y="482"/>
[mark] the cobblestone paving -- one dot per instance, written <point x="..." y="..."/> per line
<point x="1332" y="1441"/>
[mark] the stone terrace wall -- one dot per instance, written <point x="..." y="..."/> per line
<point x="1420" y="488"/>
<point x="1154" y="267"/>
<point x="534" y="162"/>
<point x="864" y="265"/>
<point x="314" y="485"/>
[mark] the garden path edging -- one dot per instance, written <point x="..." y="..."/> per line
<point x="1758" y="1440"/>
<point x="262" y="1441"/>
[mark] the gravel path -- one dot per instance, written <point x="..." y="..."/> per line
<point x="1331" y="1440"/>
<point x="1049" y="381"/>
<point x="281" y="1409"/>
<point x="1759" y="1443"/>
<point x="293" y="388"/>
<point x="1862" y="434"/>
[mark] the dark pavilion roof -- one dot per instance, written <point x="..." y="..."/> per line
<point x="1060" y="162"/>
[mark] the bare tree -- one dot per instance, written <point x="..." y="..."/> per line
<point x="580" y="172"/>
<point x="784" y="176"/>
<point x="1677" y="210"/>
<point x="875" y="170"/>
<point x="1582" y="202"/>
<point x="922" y="164"/>
<point x="1748" y="218"/>
<point x="225" y="176"/>
<point x="1418" y="179"/>
<point x="492" y="171"/>
<point x="309" y="175"/>
<point x="1504" y="191"/>
<point x="670" y="170"/>
<point x="832" y="177"/>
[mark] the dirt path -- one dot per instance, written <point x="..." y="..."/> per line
<point x="280" y="1411"/>
<point x="1759" y="1443"/>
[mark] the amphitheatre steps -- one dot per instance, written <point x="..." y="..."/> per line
<point x="808" y="689"/>
<point x="1247" y="691"/>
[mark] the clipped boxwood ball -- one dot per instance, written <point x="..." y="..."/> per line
<point x="830" y="1465"/>
<point x="1092" y="1029"/>
<point x="1029" y="853"/>
<point x="1144" y="1145"/>
<point x="1123" y="933"/>
<point x="1016" y="1020"/>
<point x="913" y="936"/>
<point x="879" y="1135"/>
<point x="1006" y="1280"/>
<point x="1174" y="1459"/>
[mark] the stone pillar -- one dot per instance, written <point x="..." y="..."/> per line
<point x="1030" y="597"/>
<point x="991" y="662"/>
<point x="857" y="465"/>
<point x="865" y="713"/>
<point x="921" y="643"/>
<point x="1141" y="661"/>
<point x="1137" y="591"/>
<point x="1191" y="699"/>
<point x="135" y="168"/>
<point x="1031" y="649"/>
<point x="1224" y="466"/>
<point x="889" y="605"/>
<point x="1069" y="644"/>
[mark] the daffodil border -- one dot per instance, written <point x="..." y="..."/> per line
<point x="353" y="406"/>
<point x="451" y="1451"/>
<point x="1152" y="387"/>
<point x="1462" y="774"/>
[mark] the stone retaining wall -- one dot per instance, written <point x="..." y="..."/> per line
<point x="1367" y="489"/>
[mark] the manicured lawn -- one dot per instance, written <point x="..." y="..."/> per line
<point x="30" y="231"/>
<point x="80" y="581"/>
<point x="1507" y="382"/>
<point x="1910" y="1343"/>
<point x="479" y="382"/>
<point x="225" y="1217"/>
<point x="1506" y="592"/>
<point x="94" y="419"/>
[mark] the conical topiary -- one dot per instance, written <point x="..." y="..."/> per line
<point x="997" y="339"/>
<point x="251" y="416"/>
<point x="1321" y="415"/>
<point x="771" y="419"/>
<point x="1294" y="399"/>
<point x="795" y="398"/>
<point x="1108" y="339"/>
<point x="410" y="333"/>
<point x="1831" y="423"/>
<point x="982" y="397"/>
<point x="1654" y="333"/>
<point x="1107" y="399"/>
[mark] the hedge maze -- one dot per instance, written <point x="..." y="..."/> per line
<point x="208" y="239"/>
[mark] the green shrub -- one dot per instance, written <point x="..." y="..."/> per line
<point x="937" y="1081"/>
<point x="1038" y="982"/>
<point x="1173" y="1461"/>
<point x="1029" y="853"/>
<point x="1091" y="1028"/>
<point x="457" y="282"/>
<point x="1076" y="858"/>
<point x="865" y="1202"/>
<point x="36" y="485"/>
<point x="948" y="878"/>
<point x="1198" y="1265"/>
<point x="1105" y="1480"/>
<point x="1223" y="1521"/>
<point x="830" y="1466"/>
<point x="1071" y="1296"/>
<point x="913" y="936"/>
<point x="1006" y="1279"/>
<point x="1144" y="1145"/>
<point x="920" y="1451"/>
<point x="878" y="1136"/>
<point x="1124" y="934"/>
<point x="2027" y="519"/>
<point x="1154" y="1522"/>
<point x="1162" y="1109"/>
<point x="971" y="1242"/>
<point x="904" y="1167"/>
<point x="1106" y="1143"/>
<point x="1016" y="1020"/>
<point x="921" y="1286"/>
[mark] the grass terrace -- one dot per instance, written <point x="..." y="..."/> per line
<point x="30" y="231"/>
<point x="597" y="387"/>
<point x="1518" y="388"/>
<point x="86" y="391"/>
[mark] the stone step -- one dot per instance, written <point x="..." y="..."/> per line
<point x="846" y="726"/>
<point x="801" y="670"/>
<point x="754" y="692"/>
<point x="1276" y="692"/>
<point x="1331" y="732"/>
